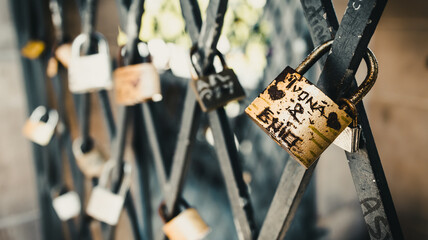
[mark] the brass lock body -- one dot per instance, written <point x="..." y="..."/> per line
<point x="137" y="83"/>
<point x="218" y="89"/>
<point x="299" y="116"/>
<point x="187" y="225"/>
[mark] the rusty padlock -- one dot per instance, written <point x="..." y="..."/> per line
<point x="299" y="116"/>
<point x="187" y="225"/>
<point x="90" y="163"/>
<point x="138" y="82"/>
<point x="216" y="90"/>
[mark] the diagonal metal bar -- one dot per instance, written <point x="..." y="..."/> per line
<point x="366" y="168"/>
<point x="181" y="159"/>
<point x="232" y="174"/>
<point x="323" y="25"/>
<point x="226" y="150"/>
<point x="154" y="145"/>
<point x="352" y="38"/>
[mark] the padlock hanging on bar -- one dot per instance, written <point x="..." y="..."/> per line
<point x="218" y="89"/>
<point x="66" y="204"/>
<point x="187" y="225"/>
<point x="91" y="163"/>
<point x="137" y="83"/>
<point x="89" y="73"/>
<point x="299" y="116"/>
<point x="104" y="205"/>
<point x="38" y="131"/>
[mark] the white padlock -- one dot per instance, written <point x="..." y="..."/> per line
<point x="104" y="205"/>
<point x="89" y="72"/>
<point x="38" y="131"/>
<point x="67" y="206"/>
<point x="90" y="163"/>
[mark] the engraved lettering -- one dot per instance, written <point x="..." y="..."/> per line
<point x="289" y="138"/>
<point x="298" y="109"/>
<point x="266" y="115"/>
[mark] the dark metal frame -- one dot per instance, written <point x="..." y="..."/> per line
<point x="336" y="80"/>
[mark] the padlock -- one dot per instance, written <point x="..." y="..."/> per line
<point x="216" y="90"/>
<point x="138" y="82"/>
<point x="63" y="54"/>
<point x="52" y="68"/>
<point x="66" y="205"/>
<point x="33" y="49"/>
<point x="38" y="131"/>
<point x="187" y="225"/>
<point x="349" y="139"/>
<point x="299" y="116"/>
<point x="91" y="163"/>
<point x="90" y="72"/>
<point x="104" y="205"/>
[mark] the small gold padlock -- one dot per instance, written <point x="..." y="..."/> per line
<point x="38" y="131"/>
<point x="216" y="90"/>
<point x="91" y="163"/>
<point x="52" y="68"/>
<point x="299" y="116"/>
<point x="137" y="83"/>
<point x="187" y="225"/>
<point x="63" y="54"/>
<point x="33" y="49"/>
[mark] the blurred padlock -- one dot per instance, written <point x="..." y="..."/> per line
<point x="33" y="49"/>
<point x="104" y="205"/>
<point x="187" y="225"/>
<point x="89" y="72"/>
<point x="52" y="68"/>
<point x="63" y="54"/>
<point x="90" y="163"/>
<point x="66" y="205"/>
<point x="38" y="131"/>
<point x="216" y="90"/>
<point x="138" y="82"/>
<point x="300" y="117"/>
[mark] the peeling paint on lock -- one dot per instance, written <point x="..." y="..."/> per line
<point x="298" y="116"/>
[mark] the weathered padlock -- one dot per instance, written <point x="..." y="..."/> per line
<point x="38" y="131"/>
<point x="90" y="72"/>
<point x="138" y="82"/>
<point x="90" y="163"/>
<point x="66" y="204"/>
<point x="299" y="116"/>
<point x="216" y="90"/>
<point x="104" y="205"/>
<point x="187" y="225"/>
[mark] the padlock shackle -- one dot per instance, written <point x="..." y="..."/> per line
<point x="193" y="50"/>
<point x="362" y="90"/>
<point x="126" y="179"/>
<point x="40" y="111"/>
<point x="369" y="81"/>
<point x="314" y="56"/>
<point x="83" y="37"/>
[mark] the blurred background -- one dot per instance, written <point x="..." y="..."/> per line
<point x="259" y="39"/>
